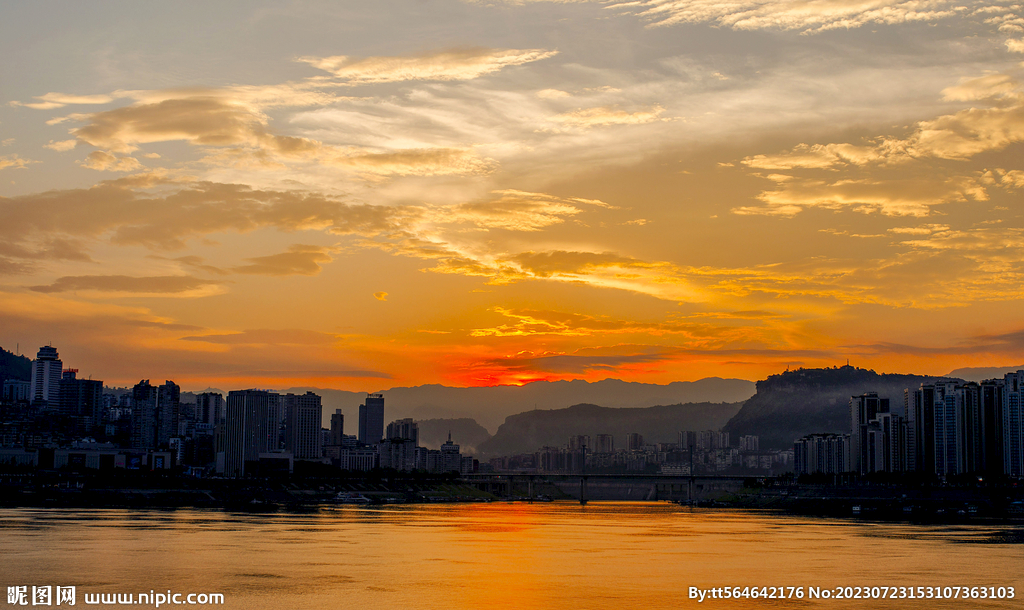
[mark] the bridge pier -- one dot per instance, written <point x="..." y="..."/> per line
<point x="583" y="491"/>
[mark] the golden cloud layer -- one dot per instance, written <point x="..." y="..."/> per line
<point x="892" y="175"/>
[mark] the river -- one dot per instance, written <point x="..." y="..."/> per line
<point x="501" y="555"/>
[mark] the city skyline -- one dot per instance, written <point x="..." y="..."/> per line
<point x="946" y="427"/>
<point x="469" y="193"/>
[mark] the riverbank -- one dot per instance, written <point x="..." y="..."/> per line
<point x="916" y="505"/>
<point x="146" y="491"/>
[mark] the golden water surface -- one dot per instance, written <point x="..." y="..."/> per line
<point x="500" y="555"/>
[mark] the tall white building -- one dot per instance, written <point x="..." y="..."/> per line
<point x="46" y="373"/>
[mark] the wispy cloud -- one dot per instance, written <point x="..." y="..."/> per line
<point x="455" y="64"/>
<point x="173" y="284"/>
<point x="266" y="336"/>
<point x="59" y="100"/>
<point x="896" y="176"/>
<point x="794" y="14"/>
<point x="603" y="116"/>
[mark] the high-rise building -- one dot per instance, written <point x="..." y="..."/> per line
<point x="957" y="427"/>
<point x="46" y="374"/>
<point x="404" y="429"/>
<point x="710" y="440"/>
<point x="155" y="411"/>
<point x="605" y="444"/>
<point x="921" y="421"/>
<point x="634" y="441"/>
<point x="824" y="453"/>
<point x="972" y="424"/>
<point x="580" y="441"/>
<point x="398" y="450"/>
<point x="16" y="390"/>
<point x="250" y="429"/>
<point x="371" y="419"/>
<point x="451" y="456"/>
<point x="863" y="410"/>
<point x="948" y="435"/>
<point x="209" y="408"/>
<point x="688" y="440"/>
<point x="991" y="407"/>
<point x="303" y="416"/>
<point x="1013" y="424"/>
<point x="885" y="444"/>
<point x="337" y="428"/>
<point x="82" y="401"/>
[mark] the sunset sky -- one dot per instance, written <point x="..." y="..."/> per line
<point x="362" y="195"/>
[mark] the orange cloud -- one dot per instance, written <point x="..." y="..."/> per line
<point x="298" y="260"/>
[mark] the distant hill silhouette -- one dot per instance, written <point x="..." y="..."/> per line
<point x="14" y="367"/>
<point x="982" y="373"/>
<point x="806" y="401"/>
<point x="529" y="431"/>
<point x="489" y="406"/>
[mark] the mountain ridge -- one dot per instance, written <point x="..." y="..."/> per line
<point x="14" y="366"/>
<point x="793" y="404"/>
<point x="528" y="431"/>
<point x="490" y="405"/>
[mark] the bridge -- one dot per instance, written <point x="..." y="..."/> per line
<point x="586" y="487"/>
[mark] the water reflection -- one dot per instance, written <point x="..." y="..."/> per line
<point x="549" y="555"/>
